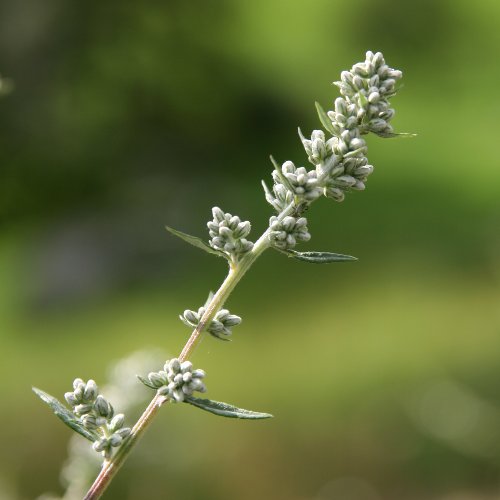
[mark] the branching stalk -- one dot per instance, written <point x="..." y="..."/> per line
<point x="236" y="272"/>
<point x="340" y="166"/>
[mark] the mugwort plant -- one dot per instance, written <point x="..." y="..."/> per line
<point x="337" y="155"/>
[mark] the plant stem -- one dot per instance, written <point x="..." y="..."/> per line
<point x="110" y="467"/>
<point x="236" y="272"/>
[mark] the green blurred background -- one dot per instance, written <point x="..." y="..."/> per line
<point x="383" y="375"/>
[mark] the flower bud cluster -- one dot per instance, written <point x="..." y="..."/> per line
<point x="302" y="183"/>
<point x="220" y="327"/>
<point x="347" y="142"/>
<point x="280" y="197"/>
<point x="284" y="234"/>
<point x="177" y="380"/>
<point x="317" y="148"/>
<point x="341" y="162"/>
<point x="351" y="174"/>
<point x="97" y="414"/>
<point x="228" y="233"/>
<point x="368" y="86"/>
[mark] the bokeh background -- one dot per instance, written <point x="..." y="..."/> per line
<point x="383" y="375"/>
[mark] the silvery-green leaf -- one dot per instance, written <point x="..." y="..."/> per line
<point x="224" y="409"/>
<point x="323" y="118"/>
<point x="319" y="257"/>
<point x="362" y="99"/>
<point x="146" y="382"/>
<point x="65" y="415"/>
<point x="269" y="196"/>
<point x="197" y="242"/>
<point x="398" y="135"/>
<point x="209" y="299"/>
<point x="281" y="177"/>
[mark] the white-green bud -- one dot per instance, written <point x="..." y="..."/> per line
<point x="288" y="223"/>
<point x="388" y="114"/>
<point x="82" y="409"/>
<point x="231" y="320"/>
<point x="115" y="440"/>
<point x="191" y="317"/>
<point x="100" y="445"/>
<point x="218" y="214"/>
<point x="336" y="171"/>
<point x="344" y="181"/>
<point x="186" y="366"/>
<point x="215" y="327"/>
<point x="163" y="391"/>
<point x="374" y="97"/>
<point x="89" y="421"/>
<point x="334" y="193"/>
<point x="172" y="366"/>
<point x="286" y="168"/>
<point x="175" y="394"/>
<point x="377" y="125"/>
<point x="346" y="77"/>
<point x="78" y="382"/>
<point x="71" y="398"/>
<point x="363" y="171"/>
<point x="242" y="230"/>
<point x="222" y="314"/>
<point x="78" y="392"/>
<point x="91" y="391"/>
<point x="318" y="150"/>
<point x="197" y="385"/>
<point x="124" y="432"/>
<point x="102" y="407"/>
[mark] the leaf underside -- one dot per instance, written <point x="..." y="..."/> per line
<point x="65" y="415"/>
<point x="323" y="118"/>
<point x="319" y="257"/>
<point x="224" y="409"/>
<point x="196" y="242"/>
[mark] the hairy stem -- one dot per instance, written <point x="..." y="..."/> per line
<point x="236" y="272"/>
<point x="110" y="467"/>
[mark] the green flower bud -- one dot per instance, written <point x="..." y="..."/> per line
<point x="71" y="398"/>
<point x="91" y="391"/>
<point x="82" y="409"/>
<point x="102" y="407"/>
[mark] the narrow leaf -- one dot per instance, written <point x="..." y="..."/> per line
<point x="224" y="409"/>
<point x="197" y="242"/>
<point x="279" y="172"/>
<point x="65" y="415"/>
<point x="319" y="257"/>
<point x="323" y="118"/>
<point x="397" y="135"/>
<point x="146" y="382"/>
<point x="209" y="299"/>
<point x="267" y="193"/>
